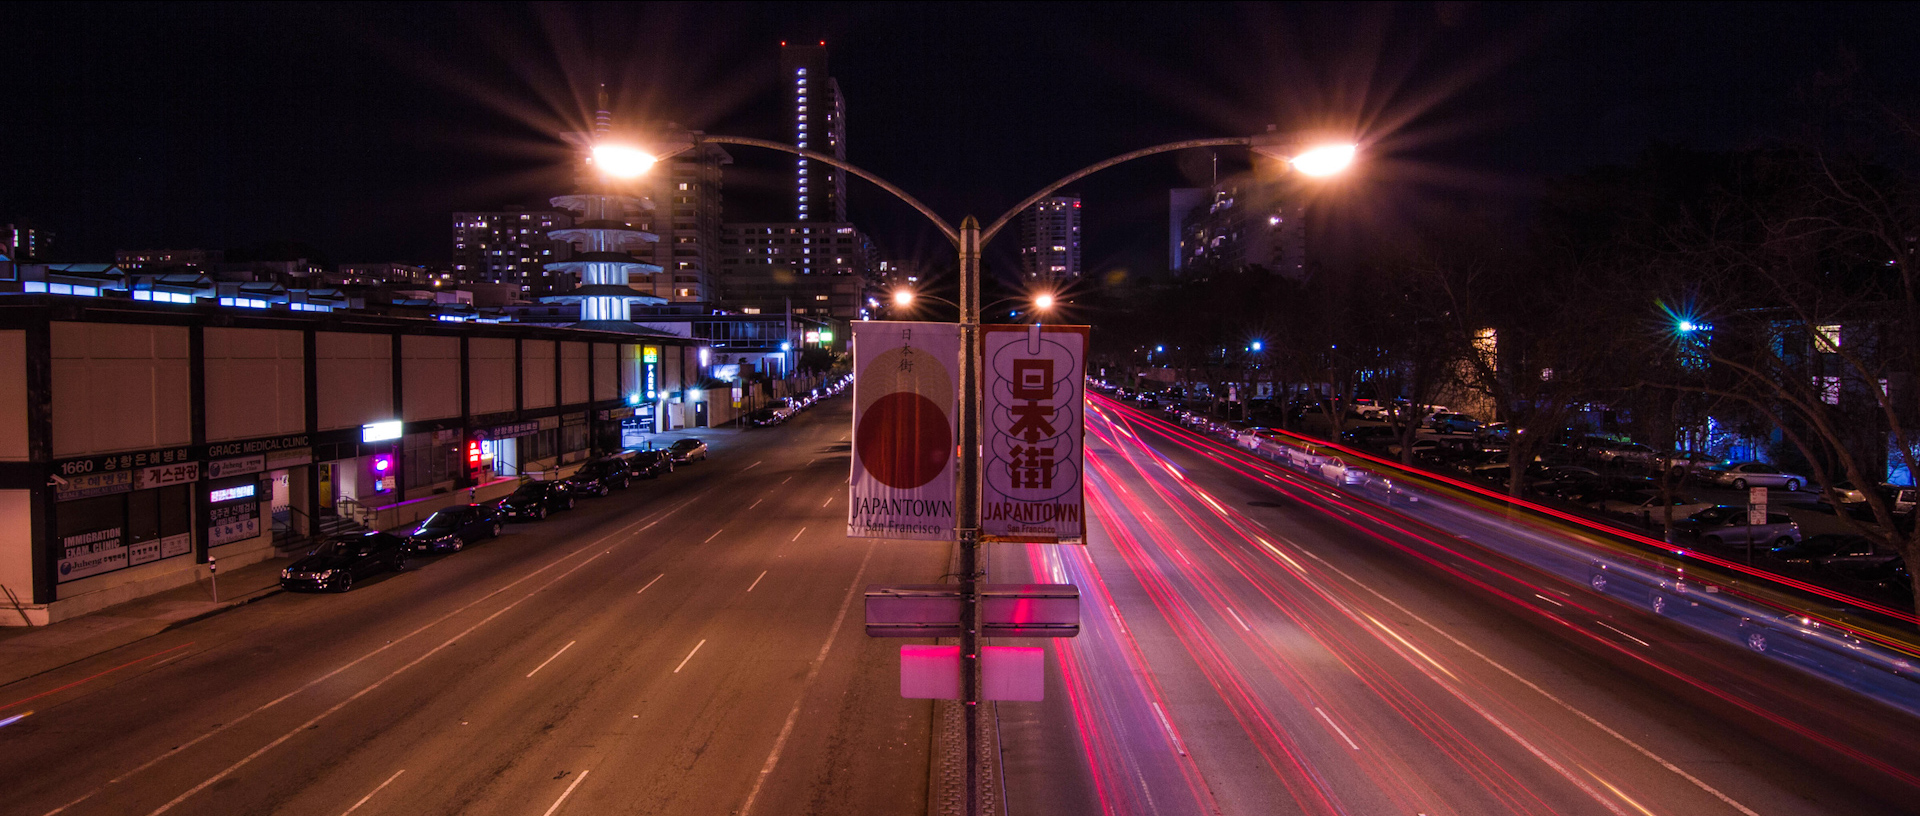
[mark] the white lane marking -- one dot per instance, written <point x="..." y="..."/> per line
<point x="786" y="480"/>
<point x="363" y="799"/>
<point x="543" y="663"/>
<point x="683" y="661"/>
<point x="1337" y="729"/>
<point x="1547" y="599"/>
<point x="1183" y="557"/>
<point x="820" y="659"/>
<point x="566" y="793"/>
<point x="1236" y="619"/>
<point x="1168" y="724"/>
<point x="750" y="467"/>
<point x="1625" y="635"/>
<point x="656" y="579"/>
<point x="361" y="693"/>
<point x="230" y="724"/>
<point x="1590" y="720"/>
<point x="756" y="581"/>
<point x="716" y="534"/>
<point x="796" y="536"/>
<point x="756" y="502"/>
<point x="827" y="502"/>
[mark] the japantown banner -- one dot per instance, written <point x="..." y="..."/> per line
<point x="905" y="421"/>
<point x="1032" y="485"/>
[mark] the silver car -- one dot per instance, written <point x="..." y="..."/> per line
<point x="1757" y="474"/>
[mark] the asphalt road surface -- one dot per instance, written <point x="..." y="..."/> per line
<point x="1254" y="643"/>
<point x="692" y="645"/>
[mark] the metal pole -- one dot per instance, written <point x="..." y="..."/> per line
<point x="969" y="504"/>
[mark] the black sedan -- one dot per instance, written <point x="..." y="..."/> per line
<point x="534" y="500"/>
<point x="648" y="464"/>
<point x="453" y="528"/>
<point x="337" y="563"/>
<point x="687" y="450"/>
<point x="601" y="476"/>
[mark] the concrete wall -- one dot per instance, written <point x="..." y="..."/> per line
<point x="16" y="562"/>
<point x="256" y="383"/>
<point x="573" y="373"/>
<point x="13" y="398"/>
<point x="430" y="375"/>
<point x="606" y="371"/>
<point x="536" y="373"/>
<point x="490" y="374"/>
<point x="355" y="375"/>
<point x="119" y="387"/>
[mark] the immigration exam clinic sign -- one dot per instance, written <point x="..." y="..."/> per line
<point x="1032" y="485"/>
<point x="905" y="422"/>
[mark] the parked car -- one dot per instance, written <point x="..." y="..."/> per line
<point x="1630" y="453"/>
<point x="1638" y="501"/>
<point x="1830" y="649"/>
<point x="534" y="500"/>
<point x="339" y="562"/>
<point x="453" y="528"/>
<point x="1727" y="524"/>
<point x="1899" y="498"/>
<point x="1662" y="587"/>
<point x="601" y="476"/>
<point x="687" y="450"/>
<point x="1816" y="547"/>
<point x="1557" y="475"/>
<point x="1688" y="464"/>
<point x="1757" y="474"/>
<point x="1368" y="435"/>
<point x="1453" y="423"/>
<point x="651" y="463"/>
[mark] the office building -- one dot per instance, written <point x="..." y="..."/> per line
<point x="685" y="191"/>
<point x="1050" y="240"/>
<point x="511" y="246"/>
<point x="817" y="114"/>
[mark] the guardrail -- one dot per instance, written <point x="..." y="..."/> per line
<point x="1717" y="597"/>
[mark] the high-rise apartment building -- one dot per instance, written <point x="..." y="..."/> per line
<point x="761" y="261"/>
<point x="511" y="246"/>
<point x="1238" y="222"/>
<point x="818" y="118"/>
<point x="685" y="191"/>
<point x="1050" y="240"/>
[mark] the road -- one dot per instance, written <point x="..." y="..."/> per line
<point x="693" y="645"/>
<point x="1254" y="643"/>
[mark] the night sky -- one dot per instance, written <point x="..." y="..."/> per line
<point x="358" y="128"/>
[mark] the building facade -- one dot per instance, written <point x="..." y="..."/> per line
<point x="818" y="116"/>
<point x="140" y="441"/>
<point x="1050" y="240"/>
<point x="511" y="246"/>
<point x="1240" y="222"/>
<point x="821" y="268"/>
<point x="686" y="195"/>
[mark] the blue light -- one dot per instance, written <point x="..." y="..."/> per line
<point x="1687" y="326"/>
<point x="1257" y="345"/>
<point x="1159" y="348"/>
<point x="786" y="346"/>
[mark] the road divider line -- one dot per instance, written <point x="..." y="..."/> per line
<point x="98" y="676"/>
<point x="756" y="581"/>
<point x="1171" y="734"/>
<point x="786" y="480"/>
<point x="819" y="659"/>
<point x="750" y="467"/>
<point x="1547" y="599"/>
<point x="828" y="501"/>
<point x="1624" y="634"/>
<point x="543" y="663"/>
<point x="566" y="793"/>
<point x="1236" y="619"/>
<point x="211" y="781"/>
<point x="696" y="650"/>
<point x="383" y="785"/>
<point x="656" y="579"/>
<point x="1337" y="729"/>
<point x="756" y="502"/>
<point x="796" y="536"/>
<point x="716" y="534"/>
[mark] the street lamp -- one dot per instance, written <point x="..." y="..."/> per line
<point x="969" y="238"/>
<point x="622" y="161"/>
<point x="1044" y="302"/>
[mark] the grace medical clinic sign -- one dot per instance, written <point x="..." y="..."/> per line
<point x="905" y="409"/>
<point x="1032" y="485"/>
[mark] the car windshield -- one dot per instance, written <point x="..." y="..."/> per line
<point x="347" y="547"/>
<point x="530" y="490"/>
<point x="685" y="444"/>
<point x="446" y="518"/>
<point x="1715" y="514"/>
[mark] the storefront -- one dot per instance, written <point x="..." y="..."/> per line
<point x="122" y="510"/>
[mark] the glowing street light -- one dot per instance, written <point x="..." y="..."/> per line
<point x="621" y="161"/>
<point x="1326" y="160"/>
<point x="1257" y="345"/>
<point x="1043" y="301"/>
<point x="903" y="297"/>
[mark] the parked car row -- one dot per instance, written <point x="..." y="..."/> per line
<point x="784" y="408"/>
<point x="340" y="562"/>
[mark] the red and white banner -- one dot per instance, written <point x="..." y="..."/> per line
<point x="1032" y="485"/>
<point x="905" y="423"/>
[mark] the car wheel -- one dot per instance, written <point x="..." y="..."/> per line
<point x="1660" y="605"/>
<point x="1793" y="485"/>
<point x="496" y="529"/>
<point x="605" y="490"/>
<point x="1757" y="641"/>
<point x="539" y="513"/>
<point x="459" y="544"/>
<point x="1598" y="581"/>
<point x="400" y="564"/>
<point x="1739" y="484"/>
<point x="344" y="582"/>
<point x="569" y="504"/>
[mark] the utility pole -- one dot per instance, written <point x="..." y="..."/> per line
<point x="969" y="501"/>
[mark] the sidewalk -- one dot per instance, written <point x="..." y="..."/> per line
<point x="28" y="651"/>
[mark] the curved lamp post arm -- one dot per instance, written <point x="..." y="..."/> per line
<point x="945" y="228"/>
<point x="994" y="228"/>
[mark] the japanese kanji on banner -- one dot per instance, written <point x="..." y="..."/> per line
<point x="905" y="421"/>
<point x="1032" y="485"/>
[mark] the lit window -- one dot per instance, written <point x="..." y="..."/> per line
<point x="684" y="186"/>
<point x="803" y="109"/>
<point x="819" y="297"/>
<point x="803" y="143"/>
<point x="1827" y="338"/>
<point x="750" y="310"/>
<point x="800" y="71"/>
<point x="142" y="294"/>
<point x="1830" y="390"/>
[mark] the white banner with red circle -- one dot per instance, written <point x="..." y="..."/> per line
<point x="905" y="423"/>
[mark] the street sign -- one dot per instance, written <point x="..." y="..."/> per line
<point x="1006" y="610"/>
<point x="1006" y="673"/>
<point x="1756" y="505"/>
<point x="905" y="408"/>
<point x="1032" y="463"/>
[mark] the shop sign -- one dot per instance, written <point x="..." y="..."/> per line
<point x="227" y="450"/>
<point x="289" y="458"/>
<point x="548" y="423"/>
<point x="574" y="419"/>
<point x="69" y="468"/>
<point x="179" y="544"/>
<point x="93" y="484"/>
<point x="509" y="431"/>
<point x="616" y="413"/>
<point x="140" y="552"/>
<point x="228" y="523"/>
<point x="163" y="475"/>
<point x="650" y="372"/>
<point x="91" y="553"/>
<point x="236" y="467"/>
